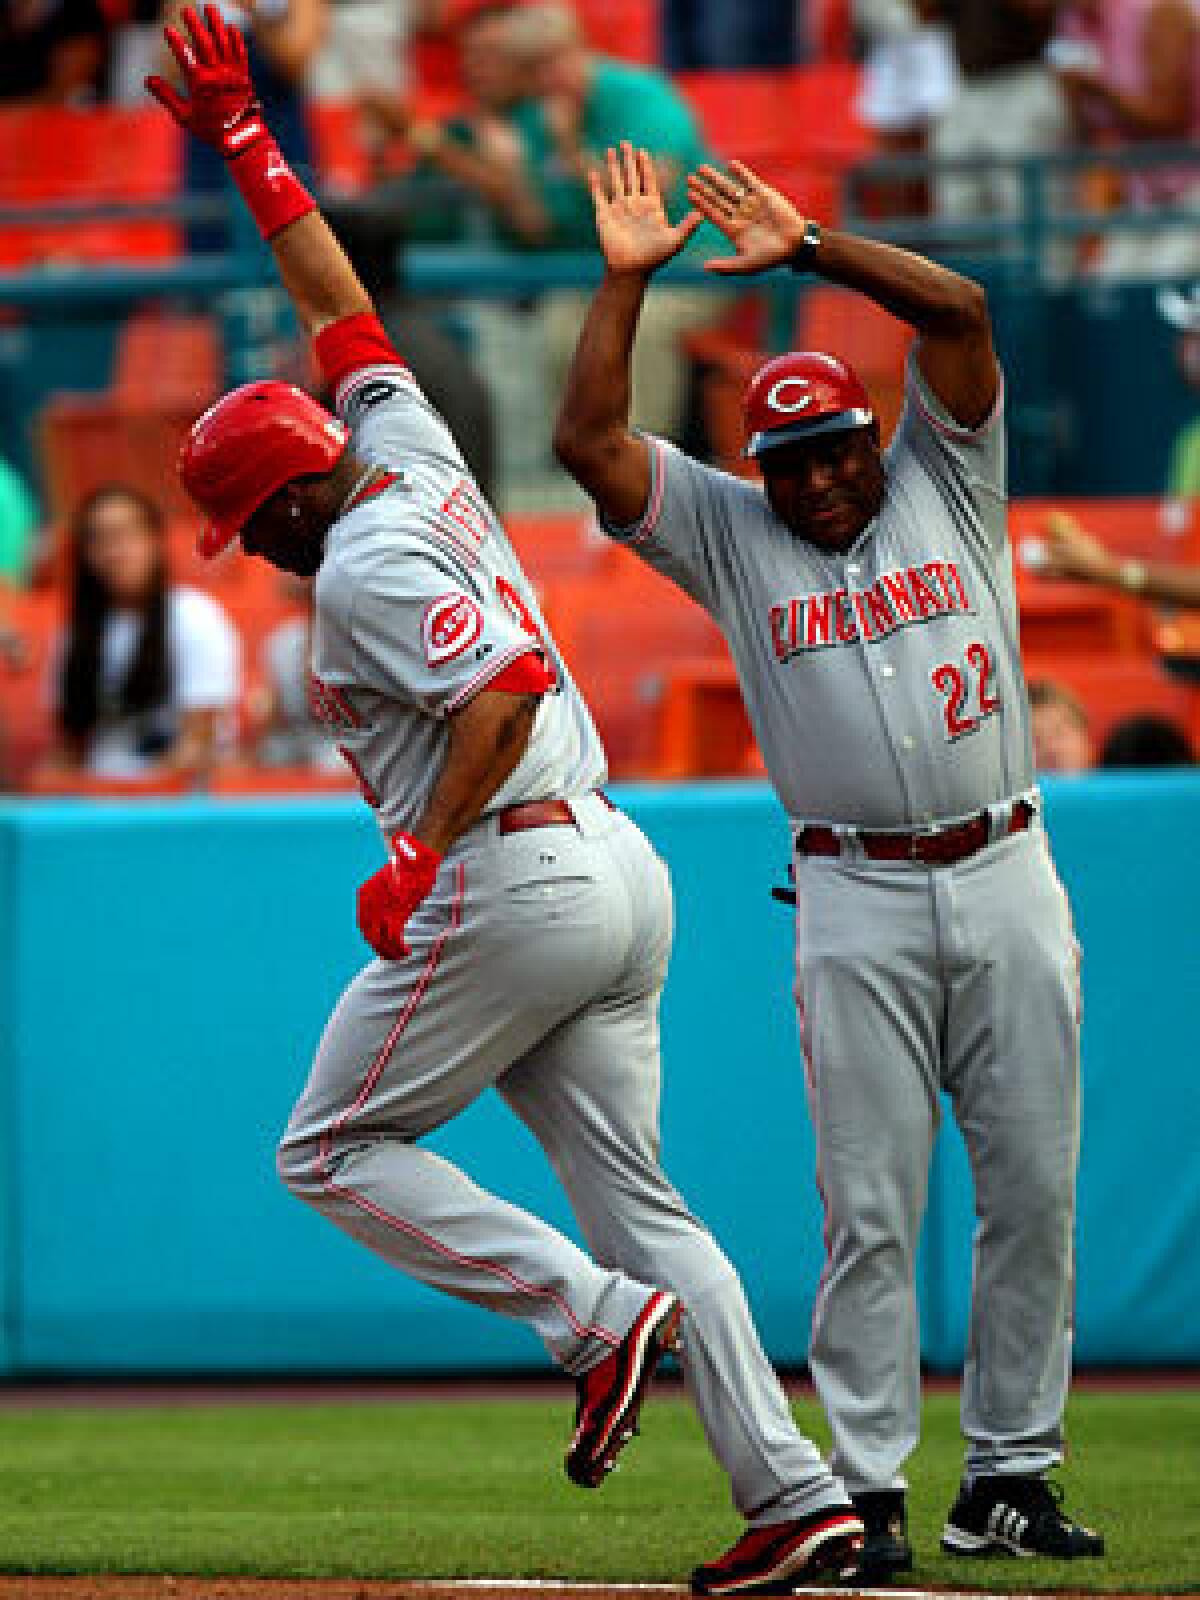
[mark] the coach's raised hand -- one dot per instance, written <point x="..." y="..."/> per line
<point x="635" y="232"/>
<point x="761" y="224"/>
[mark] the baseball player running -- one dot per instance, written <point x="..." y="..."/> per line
<point x="867" y="599"/>
<point x="522" y="923"/>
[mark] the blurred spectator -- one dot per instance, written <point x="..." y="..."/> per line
<point x="1182" y="312"/>
<point x="146" y="675"/>
<point x="370" y="234"/>
<point x="1067" y="551"/>
<point x="584" y="103"/>
<point x="1009" y="102"/>
<point x="366" y="48"/>
<point x="18" y="527"/>
<point x="282" y="39"/>
<point x="1062" y="740"/>
<point x="1146" y="741"/>
<point x="53" y="51"/>
<point x="288" y="734"/>
<point x="716" y="34"/>
<point x="910" y="76"/>
<point x="477" y="149"/>
<point x="1136" y="78"/>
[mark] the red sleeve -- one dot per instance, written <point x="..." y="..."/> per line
<point x="346" y="346"/>
<point x="529" y="674"/>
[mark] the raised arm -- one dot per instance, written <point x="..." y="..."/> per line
<point x="1070" y="552"/>
<point x="949" y="312"/>
<point x="220" y="108"/>
<point x="592" y="437"/>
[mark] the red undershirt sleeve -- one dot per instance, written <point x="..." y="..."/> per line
<point x="346" y="346"/>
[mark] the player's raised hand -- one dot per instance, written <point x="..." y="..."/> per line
<point x="761" y="224"/>
<point x="636" y="235"/>
<point x="220" y="106"/>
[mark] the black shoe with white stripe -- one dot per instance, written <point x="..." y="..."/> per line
<point x="1016" y="1516"/>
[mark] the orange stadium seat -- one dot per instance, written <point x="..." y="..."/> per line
<point x="703" y="730"/>
<point x="244" y="780"/>
<point x="551" y="548"/>
<point x="1112" y="690"/>
<point x="25" y="726"/>
<point x="168" y="368"/>
<point x="1074" y="619"/>
<point x="51" y="155"/>
<point x="621" y="635"/>
<point x="1150" y="529"/>
<point x="795" y="125"/>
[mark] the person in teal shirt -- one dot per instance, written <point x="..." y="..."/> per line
<point x="581" y="104"/>
<point x="18" y="524"/>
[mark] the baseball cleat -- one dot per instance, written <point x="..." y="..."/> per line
<point x="886" y="1550"/>
<point x="1016" y="1516"/>
<point x="825" y="1547"/>
<point x="610" y="1395"/>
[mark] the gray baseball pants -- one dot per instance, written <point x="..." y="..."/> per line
<point x="536" y="966"/>
<point x="912" y="980"/>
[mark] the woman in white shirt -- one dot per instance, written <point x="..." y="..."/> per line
<point x="148" y="671"/>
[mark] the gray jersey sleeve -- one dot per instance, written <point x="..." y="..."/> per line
<point x="420" y="631"/>
<point x="968" y="464"/>
<point x="391" y="421"/>
<point x="686" y="531"/>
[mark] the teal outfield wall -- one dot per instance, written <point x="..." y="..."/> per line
<point x="164" y="975"/>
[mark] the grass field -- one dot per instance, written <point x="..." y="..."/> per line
<point x="457" y="1489"/>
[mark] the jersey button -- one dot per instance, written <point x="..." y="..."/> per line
<point x="854" y="569"/>
<point x="888" y="670"/>
<point x="908" y="742"/>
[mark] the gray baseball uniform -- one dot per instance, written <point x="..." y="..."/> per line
<point x="885" y="689"/>
<point x="536" y="967"/>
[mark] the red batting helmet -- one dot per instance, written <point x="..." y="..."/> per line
<point x="253" y="441"/>
<point x="801" y="394"/>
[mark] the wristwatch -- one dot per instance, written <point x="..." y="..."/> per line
<point x="804" y="257"/>
<point x="426" y="137"/>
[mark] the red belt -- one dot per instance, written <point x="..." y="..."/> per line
<point x="540" y="814"/>
<point x="936" y="847"/>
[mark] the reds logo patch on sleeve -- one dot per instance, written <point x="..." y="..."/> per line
<point x="450" y="625"/>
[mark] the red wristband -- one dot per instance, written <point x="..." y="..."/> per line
<point x="270" y="188"/>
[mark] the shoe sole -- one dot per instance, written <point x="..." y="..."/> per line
<point x="958" y="1542"/>
<point x="659" y="1334"/>
<point x="824" y="1549"/>
<point x="878" y="1569"/>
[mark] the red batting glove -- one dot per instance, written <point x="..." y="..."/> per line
<point x="390" y="896"/>
<point x="221" y="107"/>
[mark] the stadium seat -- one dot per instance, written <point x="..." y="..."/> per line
<point x="1113" y="690"/>
<point x="703" y="730"/>
<point x="87" y="786"/>
<point x="754" y="114"/>
<point x="1075" y="619"/>
<point x="232" y="781"/>
<point x="1148" y="528"/>
<point x="551" y="548"/>
<point x="25" y="728"/>
<point x="621" y="635"/>
<point x="89" y="440"/>
<point x="51" y="155"/>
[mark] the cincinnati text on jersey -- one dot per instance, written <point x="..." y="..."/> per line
<point x="899" y="599"/>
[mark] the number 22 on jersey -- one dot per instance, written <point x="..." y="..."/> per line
<point x="967" y="692"/>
